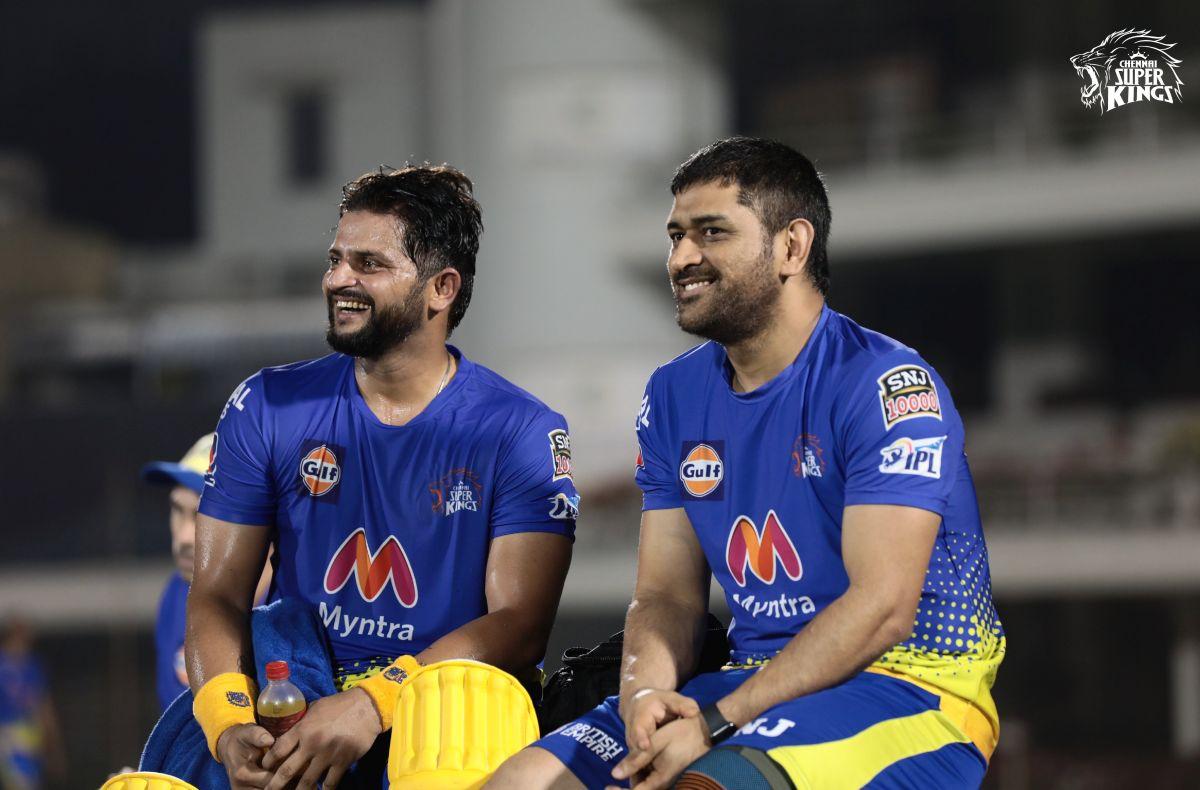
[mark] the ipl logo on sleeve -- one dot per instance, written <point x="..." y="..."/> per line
<point x="921" y="457"/>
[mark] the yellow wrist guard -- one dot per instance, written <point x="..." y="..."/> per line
<point x="222" y="702"/>
<point x="384" y="687"/>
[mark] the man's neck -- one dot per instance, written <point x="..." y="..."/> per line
<point x="761" y="358"/>
<point x="398" y="385"/>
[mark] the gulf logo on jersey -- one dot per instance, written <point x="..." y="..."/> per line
<point x="319" y="470"/>
<point x="374" y="572"/>
<point x="747" y="547"/>
<point x="702" y="469"/>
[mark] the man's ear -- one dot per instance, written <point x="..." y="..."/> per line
<point x="798" y="236"/>
<point x="443" y="289"/>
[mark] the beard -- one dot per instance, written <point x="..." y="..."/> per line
<point x="732" y="311"/>
<point x="385" y="328"/>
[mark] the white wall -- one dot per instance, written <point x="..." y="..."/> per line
<point x="369" y="62"/>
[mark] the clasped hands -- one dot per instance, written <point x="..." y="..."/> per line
<point x="665" y="733"/>
<point x="321" y="747"/>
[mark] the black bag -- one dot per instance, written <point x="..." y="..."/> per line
<point x="589" y="675"/>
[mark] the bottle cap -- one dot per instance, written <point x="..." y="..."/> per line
<point x="278" y="670"/>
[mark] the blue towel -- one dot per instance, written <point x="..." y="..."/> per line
<point x="286" y="630"/>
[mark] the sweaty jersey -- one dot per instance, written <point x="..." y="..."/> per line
<point x="764" y="476"/>
<point x="385" y="529"/>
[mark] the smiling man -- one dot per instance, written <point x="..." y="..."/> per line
<point x="816" y="469"/>
<point x="416" y="499"/>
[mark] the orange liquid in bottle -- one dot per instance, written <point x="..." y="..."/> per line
<point x="280" y="705"/>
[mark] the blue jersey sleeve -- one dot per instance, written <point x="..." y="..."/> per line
<point x="655" y="473"/>
<point x="901" y="438"/>
<point x="238" y="486"/>
<point x="535" y="487"/>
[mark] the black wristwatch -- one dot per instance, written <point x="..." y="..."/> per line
<point x="719" y="727"/>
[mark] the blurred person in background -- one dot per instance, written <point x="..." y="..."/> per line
<point x="817" y="468"/>
<point x="30" y="739"/>
<point x="186" y="480"/>
<point x="424" y="507"/>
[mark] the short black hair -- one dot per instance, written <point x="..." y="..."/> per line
<point x="776" y="181"/>
<point x="442" y="220"/>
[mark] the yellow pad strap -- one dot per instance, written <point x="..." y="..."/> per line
<point x="222" y="702"/>
<point x="384" y="687"/>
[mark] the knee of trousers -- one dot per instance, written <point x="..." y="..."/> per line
<point x="730" y="767"/>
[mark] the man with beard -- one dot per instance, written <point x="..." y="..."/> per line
<point x="420" y="504"/>
<point x="816" y="469"/>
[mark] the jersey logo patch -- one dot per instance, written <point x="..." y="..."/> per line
<point x="456" y="491"/>
<point x="373" y="572"/>
<point x="761" y="551"/>
<point x="319" y="469"/>
<point x="906" y="392"/>
<point x="702" y="470"/>
<point x="564" y="508"/>
<point x="560" y="454"/>
<point x="210" y="474"/>
<point x="808" y="458"/>
<point x="922" y="457"/>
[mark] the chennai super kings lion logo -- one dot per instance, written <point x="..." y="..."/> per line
<point x="1128" y="66"/>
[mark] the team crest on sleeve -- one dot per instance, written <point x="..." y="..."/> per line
<point x="320" y="470"/>
<point x="906" y="392"/>
<point x="702" y="470"/>
<point x="560" y="454"/>
<point x="921" y="457"/>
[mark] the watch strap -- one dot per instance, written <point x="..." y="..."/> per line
<point x="719" y="727"/>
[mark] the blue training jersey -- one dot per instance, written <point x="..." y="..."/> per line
<point x="385" y="529"/>
<point x="764" y="476"/>
<point x="170" y="670"/>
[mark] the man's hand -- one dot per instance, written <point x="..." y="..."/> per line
<point x="334" y="733"/>
<point x="241" y="749"/>
<point x="673" y="747"/>
<point x="650" y="709"/>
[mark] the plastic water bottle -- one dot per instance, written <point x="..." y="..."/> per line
<point x="280" y="705"/>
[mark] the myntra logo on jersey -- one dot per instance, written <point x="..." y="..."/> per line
<point x="374" y="572"/>
<point x="702" y="470"/>
<point x="761" y="551"/>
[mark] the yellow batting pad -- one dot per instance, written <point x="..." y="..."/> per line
<point x="455" y="722"/>
<point x="146" y="780"/>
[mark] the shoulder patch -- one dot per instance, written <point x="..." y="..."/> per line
<point x="560" y="454"/>
<point x="905" y="392"/>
